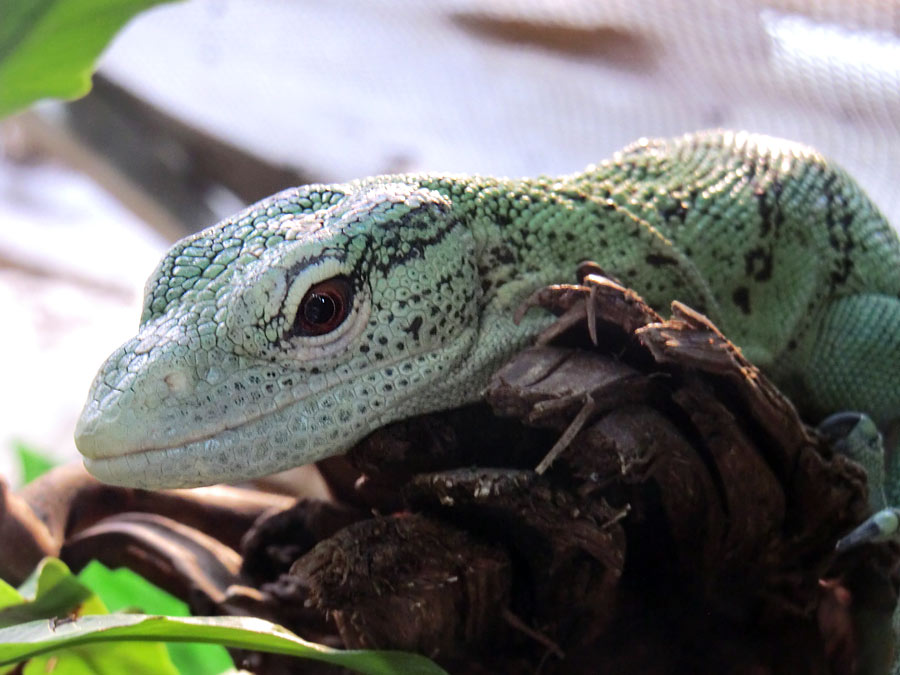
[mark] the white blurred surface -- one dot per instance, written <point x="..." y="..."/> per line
<point x="72" y="267"/>
<point x="350" y="88"/>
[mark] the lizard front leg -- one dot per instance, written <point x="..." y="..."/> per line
<point x="850" y="360"/>
<point x="855" y="435"/>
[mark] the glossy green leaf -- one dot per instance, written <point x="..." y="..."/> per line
<point x="9" y="596"/>
<point x="48" y="47"/>
<point x="36" y="637"/>
<point x="58" y="597"/>
<point x="115" y="658"/>
<point x="122" y="589"/>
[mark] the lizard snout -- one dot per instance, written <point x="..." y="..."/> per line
<point x="135" y="404"/>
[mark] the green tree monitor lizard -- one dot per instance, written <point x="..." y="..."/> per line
<point x="288" y="332"/>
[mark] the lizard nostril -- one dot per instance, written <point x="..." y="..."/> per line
<point x="176" y="381"/>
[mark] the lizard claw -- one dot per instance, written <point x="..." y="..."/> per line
<point x="879" y="527"/>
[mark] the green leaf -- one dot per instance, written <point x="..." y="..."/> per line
<point x="33" y="463"/>
<point x="58" y="597"/>
<point x="28" y="588"/>
<point x="58" y="594"/>
<point x="50" y="573"/>
<point x="36" y="637"/>
<point x="123" y="589"/>
<point x="9" y="596"/>
<point x="105" y="659"/>
<point x="48" y="47"/>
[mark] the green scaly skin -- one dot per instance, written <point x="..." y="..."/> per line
<point x="780" y="249"/>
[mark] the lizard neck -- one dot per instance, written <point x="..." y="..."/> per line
<point x="528" y="233"/>
<point x="531" y="233"/>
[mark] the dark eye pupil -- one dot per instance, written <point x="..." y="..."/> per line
<point x="319" y="309"/>
<point x="324" y="307"/>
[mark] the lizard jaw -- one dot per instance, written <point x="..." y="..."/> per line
<point x="276" y="440"/>
<point x="234" y="454"/>
<point x="272" y="441"/>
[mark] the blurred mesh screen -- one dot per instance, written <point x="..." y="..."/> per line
<point x="348" y="88"/>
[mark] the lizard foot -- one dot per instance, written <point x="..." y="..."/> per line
<point x="856" y="436"/>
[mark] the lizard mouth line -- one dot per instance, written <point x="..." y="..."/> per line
<point x="182" y="444"/>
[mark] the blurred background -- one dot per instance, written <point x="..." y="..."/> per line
<point x="203" y="106"/>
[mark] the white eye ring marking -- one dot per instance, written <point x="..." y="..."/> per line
<point x="316" y="347"/>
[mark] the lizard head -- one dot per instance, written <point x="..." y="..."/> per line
<point x="284" y="334"/>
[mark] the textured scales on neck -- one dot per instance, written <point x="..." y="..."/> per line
<point x="223" y="382"/>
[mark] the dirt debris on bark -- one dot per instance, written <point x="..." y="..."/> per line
<point x="632" y="497"/>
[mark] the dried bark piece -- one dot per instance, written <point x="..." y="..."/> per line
<point x="175" y="557"/>
<point x="391" y="456"/>
<point x="685" y="519"/>
<point x="605" y="299"/>
<point x="272" y="545"/>
<point x="753" y="497"/>
<point x="720" y="473"/>
<point x="69" y="499"/>
<point x="411" y="583"/>
<point x="65" y="501"/>
<point x="634" y="450"/>
<point x="690" y="340"/>
<point x="547" y="386"/>
<point x="31" y="537"/>
<point x="573" y="548"/>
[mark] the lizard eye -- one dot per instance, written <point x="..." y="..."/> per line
<point x="324" y="307"/>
